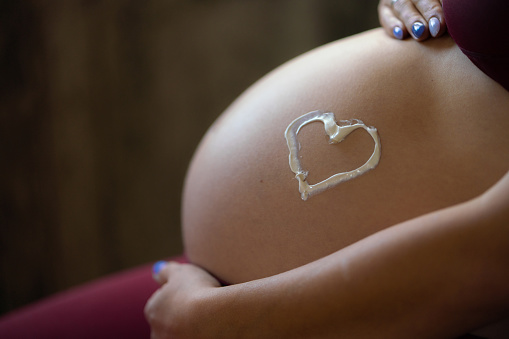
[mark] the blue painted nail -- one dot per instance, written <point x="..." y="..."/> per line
<point x="434" y="26"/>
<point x="158" y="266"/>
<point x="398" y="32"/>
<point x="418" y="29"/>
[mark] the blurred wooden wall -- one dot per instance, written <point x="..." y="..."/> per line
<point x="102" y="104"/>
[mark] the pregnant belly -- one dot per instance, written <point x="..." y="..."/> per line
<point x="243" y="216"/>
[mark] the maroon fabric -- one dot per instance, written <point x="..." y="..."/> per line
<point x="479" y="28"/>
<point x="111" y="307"/>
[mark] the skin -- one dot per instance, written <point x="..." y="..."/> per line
<point x="359" y="292"/>
<point x="404" y="13"/>
<point x="252" y="228"/>
<point x="433" y="118"/>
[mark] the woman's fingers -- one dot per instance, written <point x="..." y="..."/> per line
<point x="390" y="22"/>
<point x="163" y="272"/>
<point x="431" y="11"/>
<point x="412" y="19"/>
<point x="417" y="18"/>
<point x="159" y="273"/>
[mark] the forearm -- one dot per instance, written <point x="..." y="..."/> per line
<point x="439" y="275"/>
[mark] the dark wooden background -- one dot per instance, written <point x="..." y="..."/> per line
<point x="102" y="104"/>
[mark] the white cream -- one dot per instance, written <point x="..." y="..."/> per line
<point x="336" y="133"/>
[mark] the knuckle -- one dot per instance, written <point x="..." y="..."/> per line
<point x="411" y="18"/>
<point x="148" y="311"/>
<point x="149" y="316"/>
<point x="436" y="6"/>
<point x="428" y="8"/>
<point x="408" y="13"/>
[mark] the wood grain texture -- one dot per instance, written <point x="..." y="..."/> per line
<point x="102" y="104"/>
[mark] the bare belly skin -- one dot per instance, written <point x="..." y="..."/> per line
<point x="443" y="128"/>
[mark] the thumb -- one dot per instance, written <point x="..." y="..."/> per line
<point x="159" y="273"/>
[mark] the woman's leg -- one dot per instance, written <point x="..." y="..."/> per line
<point x="111" y="307"/>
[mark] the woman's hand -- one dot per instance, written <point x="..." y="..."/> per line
<point x="171" y="309"/>
<point x="419" y="18"/>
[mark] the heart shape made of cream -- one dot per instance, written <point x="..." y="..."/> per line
<point x="336" y="133"/>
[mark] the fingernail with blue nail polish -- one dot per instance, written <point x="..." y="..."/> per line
<point x="398" y="32"/>
<point x="434" y="26"/>
<point x="418" y="29"/>
<point x="158" y="266"/>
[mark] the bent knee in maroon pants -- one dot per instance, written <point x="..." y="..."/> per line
<point x="111" y="307"/>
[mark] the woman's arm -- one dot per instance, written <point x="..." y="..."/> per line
<point x="439" y="275"/>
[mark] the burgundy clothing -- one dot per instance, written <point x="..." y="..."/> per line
<point x="111" y="307"/>
<point x="479" y="29"/>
